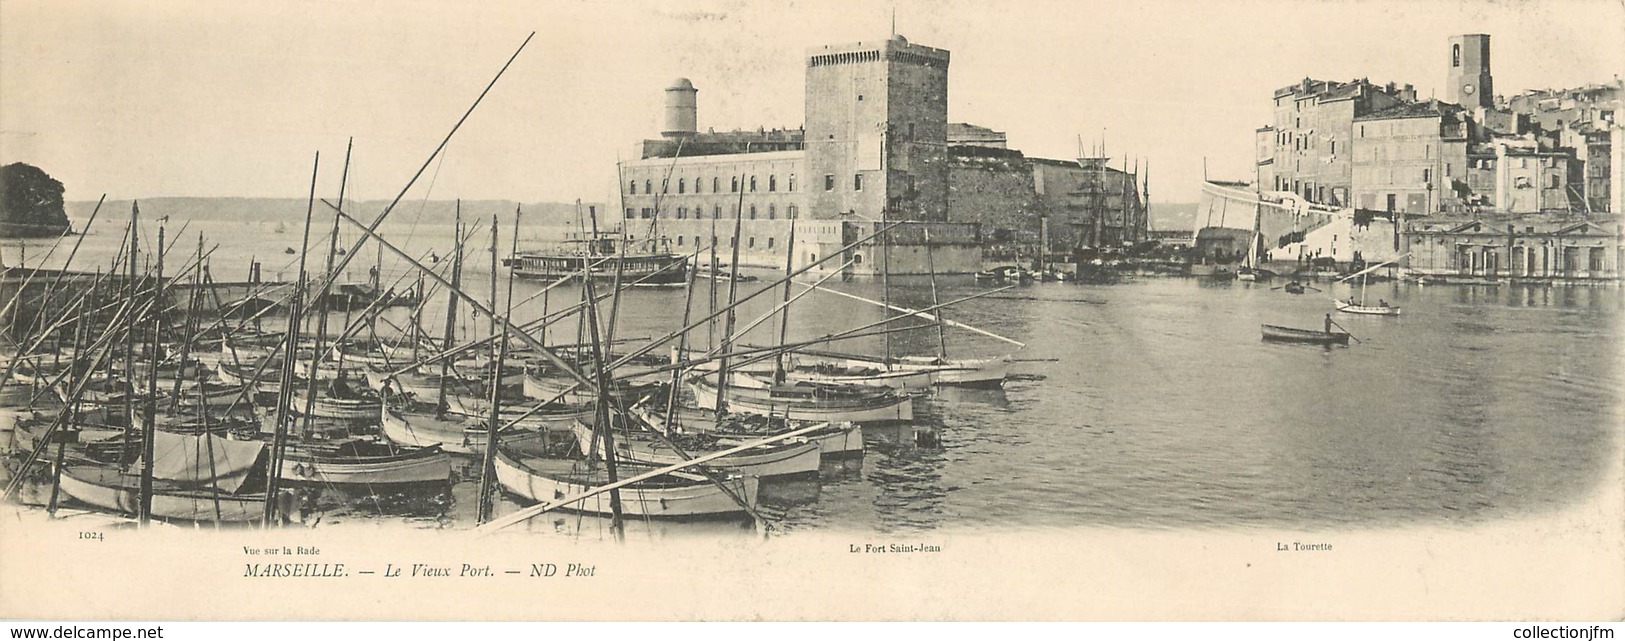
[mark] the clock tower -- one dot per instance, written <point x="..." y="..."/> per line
<point x="1469" y="80"/>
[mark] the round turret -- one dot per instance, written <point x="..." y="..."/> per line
<point x="682" y="118"/>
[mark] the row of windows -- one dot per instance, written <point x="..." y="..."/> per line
<point x="750" y="242"/>
<point x="750" y="184"/>
<point x="716" y="185"/>
<point x="829" y="182"/>
<point x="716" y="212"/>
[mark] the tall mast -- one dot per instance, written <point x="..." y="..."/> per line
<point x="488" y="470"/>
<point x="149" y="425"/>
<point x="127" y="386"/>
<point x="931" y="267"/>
<point x="289" y="355"/>
<point x="885" y="242"/>
<point x="601" y="381"/>
<point x="449" y="335"/>
<point x="733" y="292"/>
<point x="493" y="329"/>
<point x="784" y="314"/>
<point x="319" y="354"/>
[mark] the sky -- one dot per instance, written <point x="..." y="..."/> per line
<point x="165" y="98"/>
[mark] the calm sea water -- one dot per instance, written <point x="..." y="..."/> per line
<point x="1162" y="408"/>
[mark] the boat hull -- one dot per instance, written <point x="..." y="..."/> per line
<point x="882" y="409"/>
<point x="771" y="460"/>
<point x="1278" y="334"/>
<point x="455" y="434"/>
<point x="1368" y="310"/>
<point x="546" y="480"/>
<point x="429" y="465"/>
<point x="110" y="490"/>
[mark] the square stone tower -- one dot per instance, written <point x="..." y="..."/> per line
<point x="876" y="131"/>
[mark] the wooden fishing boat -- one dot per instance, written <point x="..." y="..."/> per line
<point x="1369" y="310"/>
<point x="790" y="458"/>
<point x="809" y="402"/>
<point x="269" y="379"/>
<point x="552" y="417"/>
<point x="195" y="478"/>
<point x="454" y="433"/>
<point x="964" y="372"/>
<point x="1293" y="287"/>
<point x="215" y="395"/>
<point x="551" y="388"/>
<point x="1279" y="334"/>
<point x="109" y="489"/>
<point x="422" y="386"/>
<point x="537" y="479"/>
<point x="337" y="400"/>
<point x="835" y="440"/>
<point x="365" y="462"/>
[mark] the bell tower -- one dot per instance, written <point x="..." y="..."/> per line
<point x="1469" y="83"/>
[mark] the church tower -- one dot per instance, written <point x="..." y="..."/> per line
<point x="1469" y="80"/>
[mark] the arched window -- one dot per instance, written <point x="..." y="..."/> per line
<point x="716" y="184"/>
<point x="790" y="212"/>
<point x="792" y="182"/>
<point x="697" y="183"/>
<point x="733" y="184"/>
<point x="682" y="185"/>
<point x="750" y="242"/>
<point x="772" y="212"/>
<point x="682" y="212"/>
<point x="772" y="183"/>
<point x="753" y="183"/>
<point x="753" y="212"/>
<point x="1455" y="55"/>
<point x="632" y="186"/>
<point x="665" y="186"/>
<point x="648" y="186"/>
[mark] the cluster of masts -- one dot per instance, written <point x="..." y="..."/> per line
<point x="233" y="418"/>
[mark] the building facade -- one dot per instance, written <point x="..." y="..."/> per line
<point x="876" y="148"/>
<point x="1310" y="152"/>
<point x="1530" y="248"/>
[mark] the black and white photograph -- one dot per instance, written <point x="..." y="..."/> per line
<point x="1274" y="310"/>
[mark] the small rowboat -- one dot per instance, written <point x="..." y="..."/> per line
<point x="1371" y="310"/>
<point x="1280" y="334"/>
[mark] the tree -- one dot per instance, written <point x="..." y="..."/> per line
<point x="30" y="203"/>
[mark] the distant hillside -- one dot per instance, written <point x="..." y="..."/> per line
<point x="292" y="210"/>
<point x="1169" y="216"/>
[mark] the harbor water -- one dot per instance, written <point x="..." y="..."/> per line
<point x="1149" y="403"/>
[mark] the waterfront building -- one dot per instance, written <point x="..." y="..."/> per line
<point x="1531" y="248"/>
<point x="1308" y="150"/>
<point x="1345" y="170"/>
<point x="876" y="148"/>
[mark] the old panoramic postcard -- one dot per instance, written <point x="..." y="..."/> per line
<point x="736" y="310"/>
